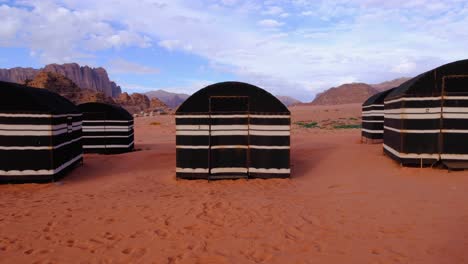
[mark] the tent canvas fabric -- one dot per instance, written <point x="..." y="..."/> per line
<point x="107" y="129"/>
<point x="40" y="134"/>
<point x="426" y="117"/>
<point x="373" y="118"/>
<point x="232" y="128"/>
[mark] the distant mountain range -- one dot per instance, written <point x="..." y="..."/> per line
<point x="173" y="100"/>
<point x="353" y="92"/>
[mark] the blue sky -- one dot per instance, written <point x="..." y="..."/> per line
<point x="289" y="47"/>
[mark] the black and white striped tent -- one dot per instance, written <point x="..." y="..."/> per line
<point x="107" y="129"/>
<point x="373" y="118"/>
<point x="426" y="118"/>
<point x="40" y="134"/>
<point x="233" y="130"/>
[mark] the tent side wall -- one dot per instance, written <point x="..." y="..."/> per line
<point x="106" y="129"/>
<point x="373" y="118"/>
<point x="37" y="147"/>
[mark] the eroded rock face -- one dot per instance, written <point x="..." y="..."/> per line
<point x="84" y="77"/>
<point x="62" y="85"/>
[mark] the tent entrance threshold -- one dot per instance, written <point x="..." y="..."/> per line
<point x="455" y="165"/>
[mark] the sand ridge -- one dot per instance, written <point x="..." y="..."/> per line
<point x="345" y="203"/>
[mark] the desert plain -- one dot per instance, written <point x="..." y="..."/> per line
<point x="346" y="202"/>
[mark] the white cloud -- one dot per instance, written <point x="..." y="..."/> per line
<point x="120" y="65"/>
<point x="270" y="23"/>
<point x="318" y="44"/>
<point x="273" y="10"/>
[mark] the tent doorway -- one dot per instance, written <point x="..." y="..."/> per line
<point x="453" y="125"/>
<point x="229" y="137"/>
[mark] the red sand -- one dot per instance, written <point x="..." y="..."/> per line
<point x="345" y="203"/>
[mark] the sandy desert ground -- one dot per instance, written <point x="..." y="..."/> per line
<point x="345" y="203"/>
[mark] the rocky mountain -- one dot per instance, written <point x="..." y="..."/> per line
<point x="354" y="92"/>
<point x="67" y="88"/>
<point x="136" y="103"/>
<point x="345" y="94"/>
<point x="390" y="84"/>
<point x="288" y="100"/>
<point x="84" y="77"/>
<point x="172" y="100"/>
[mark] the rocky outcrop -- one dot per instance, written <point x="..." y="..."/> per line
<point x="83" y="76"/>
<point x="62" y="85"/>
<point x="345" y="94"/>
<point x="17" y="75"/>
<point x="134" y="103"/>
<point x="172" y="100"/>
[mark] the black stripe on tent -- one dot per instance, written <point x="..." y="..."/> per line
<point x="413" y="104"/>
<point x="269" y="158"/>
<point x="192" y="140"/>
<point x="193" y="158"/>
<point x="372" y="135"/>
<point x="413" y="124"/>
<point x="226" y="158"/>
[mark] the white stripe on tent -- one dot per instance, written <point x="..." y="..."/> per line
<point x="373" y="112"/>
<point x="413" y="99"/>
<point x="230" y="127"/>
<point x="231" y="133"/>
<point x="268" y="147"/>
<point x="192" y="133"/>
<point x="38" y="115"/>
<point x="228" y="170"/>
<point x="417" y="131"/>
<point x="107" y="146"/>
<point x="272" y="171"/>
<point x="427" y="99"/>
<point x="106" y="127"/>
<point x="372" y="131"/>
<point x="270" y="133"/>
<point x="107" y="130"/>
<point x="192" y="147"/>
<point x="192" y="116"/>
<point x="454" y="156"/>
<point x="109" y="136"/>
<point x="230" y="147"/>
<point x="107" y="121"/>
<point x="411" y="155"/>
<point x="372" y="121"/>
<point x="367" y="115"/>
<point x="193" y="127"/>
<point x="39" y="148"/>
<point x="270" y="116"/>
<point x="233" y="170"/>
<point x="269" y="127"/>
<point x="232" y="116"/>
<point x="430" y="110"/>
<point x="191" y="170"/>
<point x="40" y="172"/>
<point x="374" y="105"/>
<point x="412" y="116"/>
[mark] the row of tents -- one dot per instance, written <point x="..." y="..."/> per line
<point x="226" y="130"/>
<point x="43" y="135"/>
<point x="423" y="121"/>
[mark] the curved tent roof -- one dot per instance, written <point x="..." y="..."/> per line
<point x="261" y="101"/>
<point x="377" y="98"/>
<point x="429" y="83"/>
<point x="113" y="112"/>
<point x="16" y="98"/>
